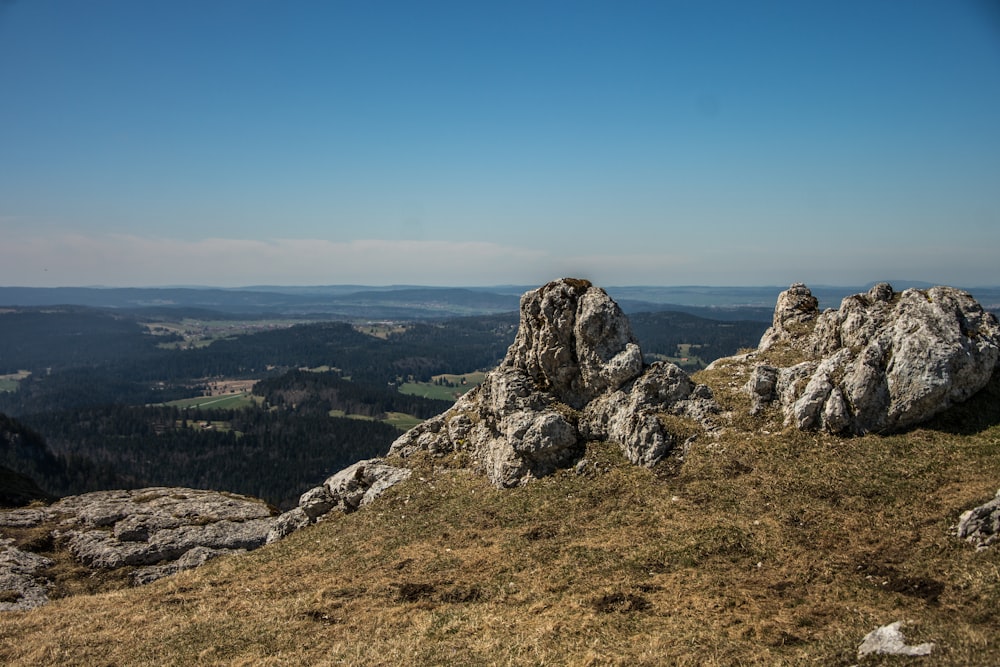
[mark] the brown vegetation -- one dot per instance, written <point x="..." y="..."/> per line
<point x="766" y="546"/>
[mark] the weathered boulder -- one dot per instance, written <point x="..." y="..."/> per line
<point x="357" y="485"/>
<point x="192" y="558"/>
<point x="573" y="373"/>
<point x="883" y="361"/>
<point x="980" y="526"/>
<point x="348" y="490"/>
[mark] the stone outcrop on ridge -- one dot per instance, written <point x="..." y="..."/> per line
<point x="158" y="531"/>
<point x="163" y="530"/>
<point x="882" y="362"/>
<point x="350" y="489"/>
<point x="573" y="373"/>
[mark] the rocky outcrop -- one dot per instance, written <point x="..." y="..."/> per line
<point x="883" y="361"/>
<point x="157" y="531"/>
<point x="573" y="373"/>
<point x="348" y="490"/>
<point x="21" y="586"/>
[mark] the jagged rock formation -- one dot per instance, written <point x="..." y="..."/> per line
<point x="884" y="361"/>
<point x="574" y="373"/>
<point x="350" y="489"/>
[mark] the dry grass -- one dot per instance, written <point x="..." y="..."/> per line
<point x="766" y="546"/>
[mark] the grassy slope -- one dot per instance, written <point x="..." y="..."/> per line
<point x="767" y="546"/>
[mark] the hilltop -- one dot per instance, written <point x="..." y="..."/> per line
<point x="750" y="537"/>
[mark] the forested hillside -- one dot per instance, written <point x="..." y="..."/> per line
<point x="272" y="455"/>
<point x="321" y="393"/>
<point x="672" y="334"/>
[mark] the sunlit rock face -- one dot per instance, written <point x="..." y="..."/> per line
<point x="883" y="361"/>
<point x="573" y="373"/>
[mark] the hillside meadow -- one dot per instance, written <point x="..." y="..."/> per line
<point x="765" y="546"/>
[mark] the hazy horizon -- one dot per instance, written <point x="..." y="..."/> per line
<point x="717" y="143"/>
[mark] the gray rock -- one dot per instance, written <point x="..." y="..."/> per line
<point x="883" y="361"/>
<point x="20" y="583"/>
<point x="794" y="313"/>
<point x="316" y="502"/>
<point x="980" y="526"/>
<point x="162" y="524"/>
<point x="573" y="373"/>
<point x="161" y="530"/>
<point x="359" y="484"/>
<point x="574" y="342"/>
<point x="25" y="517"/>
<point x="348" y="490"/>
<point x="288" y="523"/>
<point x="191" y="559"/>
<point x="889" y="640"/>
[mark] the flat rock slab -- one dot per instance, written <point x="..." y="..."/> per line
<point x="159" y="530"/>
<point x="20" y="587"/>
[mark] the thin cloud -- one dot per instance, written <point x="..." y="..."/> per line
<point x="127" y="260"/>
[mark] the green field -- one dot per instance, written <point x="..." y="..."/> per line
<point x="444" y="391"/>
<point x="227" y="402"/>
<point x="400" y="420"/>
<point x="10" y="381"/>
<point x="379" y="329"/>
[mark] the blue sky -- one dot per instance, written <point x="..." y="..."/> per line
<point x="240" y="142"/>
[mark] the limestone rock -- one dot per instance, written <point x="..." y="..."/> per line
<point x="980" y="526"/>
<point x="101" y="549"/>
<point x="357" y="485"/>
<point x="191" y="559"/>
<point x="348" y="490"/>
<point x="883" y="361"/>
<point x="20" y="586"/>
<point x="112" y="529"/>
<point x="161" y="530"/>
<point x="573" y="373"/>
<point x="288" y="523"/>
<point x="630" y="416"/>
<point x="889" y="640"/>
<point x="794" y="313"/>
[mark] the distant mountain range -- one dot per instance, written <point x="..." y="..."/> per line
<point x="423" y="302"/>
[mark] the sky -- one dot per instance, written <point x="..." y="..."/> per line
<point x="672" y="142"/>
